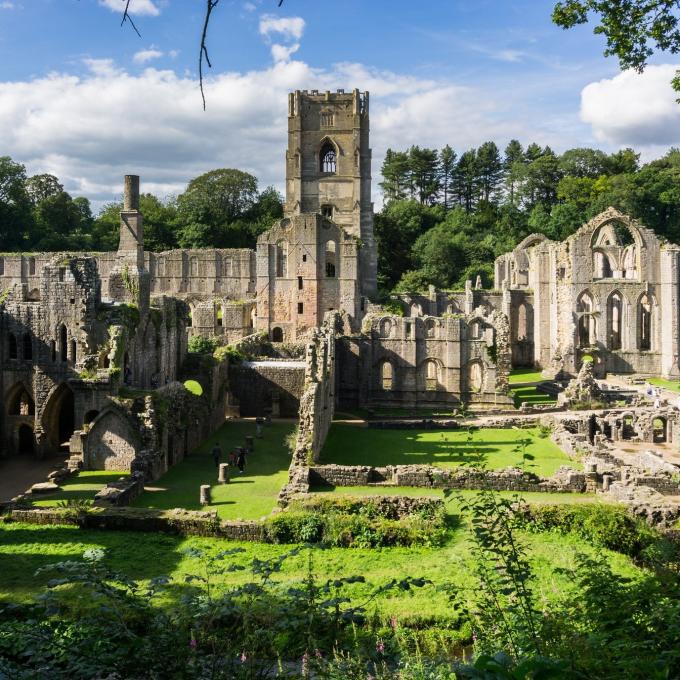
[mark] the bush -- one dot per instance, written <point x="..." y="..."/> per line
<point x="295" y="527"/>
<point x="229" y="353"/>
<point x="200" y="345"/>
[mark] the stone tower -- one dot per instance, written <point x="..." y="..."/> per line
<point x="328" y="167"/>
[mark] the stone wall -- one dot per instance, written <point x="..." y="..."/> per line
<point x="262" y="388"/>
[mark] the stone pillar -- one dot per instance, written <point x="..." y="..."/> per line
<point x="606" y="482"/>
<point x="205" y="498"/>
<point x="223" y="476"/>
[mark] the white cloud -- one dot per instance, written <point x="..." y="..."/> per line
<point x="149" y="54"/>
<point x="249" y="7"/>
<point x="92" y="129"/>
<point x="634" y="109"/>
<point x="6" y="4"/>
<point x="508" y="55"/>
<point x="282" y="52"/>
<point x="289" y="28"/>
<point x="138" y="7"/>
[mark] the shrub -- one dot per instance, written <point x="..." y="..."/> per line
<point x="295" y="527"/>
<point x="229" y="353"/>
<point x="200" y="345"/>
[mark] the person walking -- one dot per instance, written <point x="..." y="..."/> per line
<point x="217" y="454"/>
<point x="241" y="461"/>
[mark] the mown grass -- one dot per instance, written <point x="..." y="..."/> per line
<point x="24" y="548"/>
<point x="82" y="486"/>
<point x="525" y="375"/>
<point x="530" y="395"/>
<point x="248" y="496"/>
<point x="671" y="385"/>
<point x="495" y="448"/>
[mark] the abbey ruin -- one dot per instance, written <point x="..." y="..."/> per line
<point x="94" y="346"/>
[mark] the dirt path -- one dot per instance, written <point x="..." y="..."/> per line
<point x="19" y="473"/>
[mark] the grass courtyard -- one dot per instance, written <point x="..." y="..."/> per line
<point x="495" y="448"/>
<point x="248" y="496"/>
<point x="671" y="385"/>
<point x="82" y="486"/>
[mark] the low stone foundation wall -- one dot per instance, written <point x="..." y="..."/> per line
<point x="181" y="522"/>
<point x="565" y="480"/>
<point x="121" y="492"/>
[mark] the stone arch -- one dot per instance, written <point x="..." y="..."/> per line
<point x="58" y="418"/>
<point x="25" y="440"/>
<point x="331" y="259"/>
<point x="615" y="320"/>
<point x="475" y="375"/>
<point x="19" y="401"/>
<point x="587" y="322"/>
<point x="602" y="265"/>
<point x="430" y="371"/>
<point x="277" y="334"/>
<point x="34" y="295"/>
<point x="112" y="442"/>
<point x="430" y="328"/>
<point x="90" y="416"/>
<point x="659" y="430"/>
<point x="646" y="322"/>
<point x="386" y="327"/>
<point x="328" y="155"/>
<point x="386" y="375"/>
<point x="416" y="309"/>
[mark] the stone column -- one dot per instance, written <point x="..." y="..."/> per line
<point x="205" y="498"/>
<point x="223" y="476"/>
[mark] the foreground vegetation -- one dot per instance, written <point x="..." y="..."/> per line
<point x="494" y="448"/>
<point x="150" y="605"/>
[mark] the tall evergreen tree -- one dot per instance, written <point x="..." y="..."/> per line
<point x="395" y="172"/>
<point x="447" y="167"/>
<point x="466" y="180"/>
<point x="424" y="167"/>
<point x="513" y="168"/>
<point x="490" y="169"/>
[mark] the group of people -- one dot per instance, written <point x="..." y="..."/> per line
<point x="235" y="459"/>
<point x="655" y="393"/>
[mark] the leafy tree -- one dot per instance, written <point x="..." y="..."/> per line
<point x="16" y="220"/>
<point x="490" y="169"/>
<point x="466" y="181"/>
<point x="396" y="175"/>
<point x="41" y="187"/>
<point x="584" y="163"/>
<point x="424" y="172"/>
<point x="513" y="167"/>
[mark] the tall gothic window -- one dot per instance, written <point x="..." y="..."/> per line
<point x="614" y="316"/>
<point x="386" y="375"/>
<point x="431" y="378"/>
<point x="281" y="259"/>
<point x="645" y="323"/>
<point x="328" y="158"/>
<point x="330" y="259"/>
<point x="587" y="325"/>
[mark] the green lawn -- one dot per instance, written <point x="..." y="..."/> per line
<point x="672" y="385"/>
<point x="496" y="448"/>
<point x="83" y="486"/>
<point x="531" y="395"/>
<point x="24" y="548"/>
<point x="248" y="496"/>
<point x="525" y="375"/>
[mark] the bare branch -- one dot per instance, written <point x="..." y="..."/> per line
<point x="203" y="50"/>
<point x="127" y="17"/>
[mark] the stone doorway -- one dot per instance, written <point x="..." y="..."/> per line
<point x="26" y="440"/>
<point x="59" y="419"/>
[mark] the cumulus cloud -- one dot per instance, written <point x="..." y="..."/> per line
<point x="140" y="7"/>
<point x="283" y="52"/>
<point x="91" y="129"/>
<point x="142" y="56"/>
<point x="288" y="28"/>
<point x="634" y="109"/>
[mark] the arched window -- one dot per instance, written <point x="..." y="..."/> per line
<point x="431" y="375"/>
<point x="522" y="326"/>
<point x="219" y="314"/>
<point x="327" y="211"/>
<point x="614" y="320"/>
<point x="12" y="346"/>
<point x="21" y="404"/>
<point x="63" y="343"/>
<point x="28" y="347"/>
<point x="328" y="158"/>
<point x="277" y="334"/>
<point x="386" y="375"/>
<point x="74" y="351"/>
<point x="385" y="328"/>
<point x="475" y="376"/>
<point x="330" y="259"/>
<point x="476" y="330"/>
<point x="429" y="328"/>
<point x="53" y="350"/>
<point x="281" y="259"/>
<point x="645" y="309"/>
<point x="587" y="324"/>
<point x="603" y="268"/>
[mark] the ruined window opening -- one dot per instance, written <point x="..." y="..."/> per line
<point x="220" y="316"/>
<point x="327" y="119"/>
<point x="386" y="328"/>
<point x="62" y="273"/>
<point x="12" y="348"/>
<point x="522" y="330"/>
<point x="299" y="283"/>
<point x="645" y="323"/>
<point x="304" y="258"/>
<point x="63" y="343"/>
<point x="587" y="325"/>
<point x="74" y="351"/>
<point x="330" y="259"/>
<point x="53" y="350"/>
<point x="22" y="405"/>
<point x="327" y="211"/>
<point x="476" y="330"/>
<point x="429" y="328"/>
<point x="281" y="259"/>
<point x="328" y="158"/>
<point x="301" y="307"/>
<point x="475" y="376"/>
<point x="386" y="376"/>
<point x="431" y="377"/>
<point x="31" y="266"/>
<point x="614" y="316"/>
<point x="28" y="347"/>
<point x="277" y="334"/>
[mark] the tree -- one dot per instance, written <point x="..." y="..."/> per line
<point x="41" y="187"/>
<point x="395" y="172"/>
<point x="584" y="163"/>
<point x="466" y="180"/>
<point x="513" y="167"/>
<point x="490" y="170"/>
<point x="424" y="173"/>
<point x="16" y="219"/>
<point x="447" y="166"/>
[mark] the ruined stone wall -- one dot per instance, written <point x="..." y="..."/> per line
<point x="262" y="388"/>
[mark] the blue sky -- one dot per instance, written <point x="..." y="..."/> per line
<point x="89" y="100"/>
